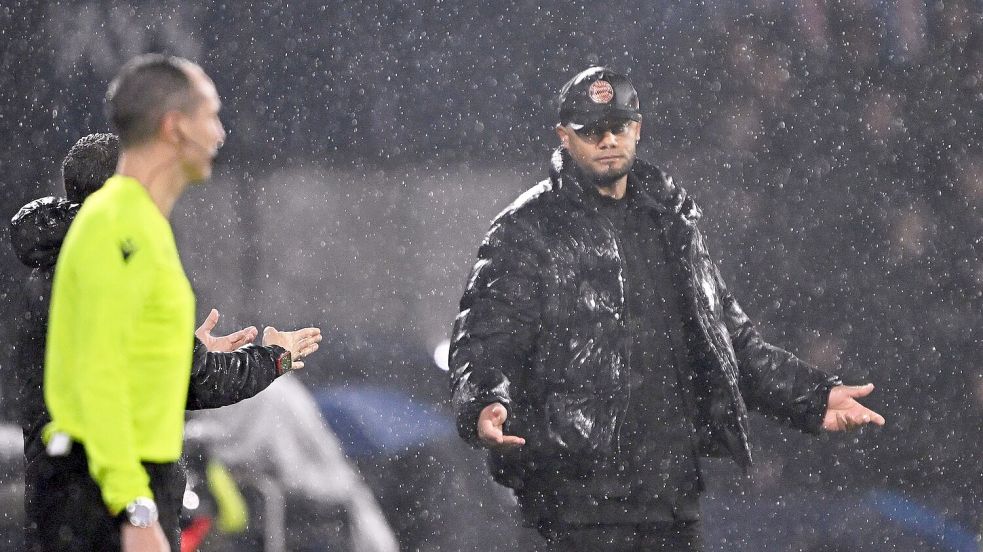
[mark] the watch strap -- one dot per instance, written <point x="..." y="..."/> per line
<point x="283" y="363"/>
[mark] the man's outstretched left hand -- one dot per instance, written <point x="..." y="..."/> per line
<point x="843" y="412"/>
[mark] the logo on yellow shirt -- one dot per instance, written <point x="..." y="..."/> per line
<point x="127" y="247"/>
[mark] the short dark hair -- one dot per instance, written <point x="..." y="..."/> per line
<point x="90" y="162"/>
<point x="146" y="88"/>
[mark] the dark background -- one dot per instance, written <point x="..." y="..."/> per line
<point x="834" y="146"/>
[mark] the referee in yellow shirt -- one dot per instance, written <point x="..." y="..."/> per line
<point x="118" y="351"/>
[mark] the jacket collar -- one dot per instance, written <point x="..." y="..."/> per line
<point x="655" y="189"/>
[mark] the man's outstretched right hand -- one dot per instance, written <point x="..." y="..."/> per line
<point x="490" y="423"/>
<point x="300" y="343"/>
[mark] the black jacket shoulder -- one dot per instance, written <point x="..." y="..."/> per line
<point x="39" y="228"/>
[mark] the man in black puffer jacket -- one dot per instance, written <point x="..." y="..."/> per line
<point x="225" y="369"/>
<point x="598" y="353"/>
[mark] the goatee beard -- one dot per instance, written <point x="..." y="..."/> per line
<point x="604" y="180"/>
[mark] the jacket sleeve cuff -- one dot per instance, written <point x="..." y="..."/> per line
<point x="118" y="491"/>
<point x="472" y="394"/>
<point x="812" y="405"/>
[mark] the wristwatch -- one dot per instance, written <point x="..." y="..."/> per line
<point x="284" y="362"/>
<point x="141" y="512"/>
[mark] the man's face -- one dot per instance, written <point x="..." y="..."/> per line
<point x="201" y="130"/>
<point x="605" y="151"/>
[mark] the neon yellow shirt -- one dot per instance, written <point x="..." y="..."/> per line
<point x="118" y="359"/>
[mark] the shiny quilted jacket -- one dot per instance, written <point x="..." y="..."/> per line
<point x="542" y="329"/>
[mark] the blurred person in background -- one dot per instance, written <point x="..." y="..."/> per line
<point x="219" y="376"/>
<point x="120" y="368"/>
<point x="598" y="352"/>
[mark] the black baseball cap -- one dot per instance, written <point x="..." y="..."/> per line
<point x="595" y="95"/>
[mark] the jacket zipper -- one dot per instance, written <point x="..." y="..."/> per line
<point x="627" y="324"/>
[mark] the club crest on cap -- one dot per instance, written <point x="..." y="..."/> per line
<point x="601" y="92"/>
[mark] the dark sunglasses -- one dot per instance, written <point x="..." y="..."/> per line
<point x="596" y="131"/>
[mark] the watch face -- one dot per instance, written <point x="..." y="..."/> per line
<point x="141" y="512"/>
<point x="140" y="516"/>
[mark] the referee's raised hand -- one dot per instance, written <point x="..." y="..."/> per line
<point x="143" y="539"/>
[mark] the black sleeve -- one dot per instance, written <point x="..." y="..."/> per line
<point x="772" y="380"/>
<point x="28" y="372"/>
<point x="497" y="325"/>
<point x="221" y="379"/>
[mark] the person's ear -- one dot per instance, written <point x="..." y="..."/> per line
<point x="170" y="129"/>
<point x="561" y="132"/>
